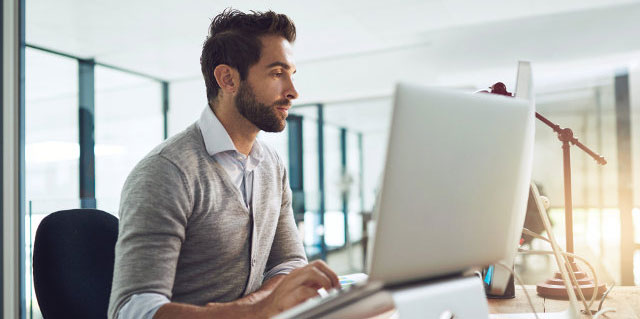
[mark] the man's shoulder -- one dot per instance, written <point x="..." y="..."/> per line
<point x="183" y="149"/>
<point x="173" y="161"/>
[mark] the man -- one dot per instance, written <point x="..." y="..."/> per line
<point x="206" y="226"/>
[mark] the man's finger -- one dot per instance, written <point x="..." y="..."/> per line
<point x="335" y="282"/>
<point x="315" y="274"/>
<point x="309" y="276"/>
<point x="318" y="279"/>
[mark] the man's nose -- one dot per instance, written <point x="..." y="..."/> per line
<point x="291" y="92"/>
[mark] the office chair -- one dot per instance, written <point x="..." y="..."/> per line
<point x="73" y="258"/>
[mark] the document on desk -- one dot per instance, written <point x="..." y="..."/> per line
<point x="350" y="279"/>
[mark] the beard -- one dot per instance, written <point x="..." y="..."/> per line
<point x="264" y="117"/>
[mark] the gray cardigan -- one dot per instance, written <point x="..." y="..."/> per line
<point x="185" y="232"/>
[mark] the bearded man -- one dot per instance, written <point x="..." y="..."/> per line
<point x="206" y="225"/>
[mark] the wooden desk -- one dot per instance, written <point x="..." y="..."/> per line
<point x="625" y="299"/>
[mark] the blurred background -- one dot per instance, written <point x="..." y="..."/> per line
<point x="127" y="74"/>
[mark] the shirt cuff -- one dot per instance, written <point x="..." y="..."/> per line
<point x="142" y="306"/>
<point x="283" y="269"/>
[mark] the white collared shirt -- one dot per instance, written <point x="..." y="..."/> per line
<point x="239" y="168"/>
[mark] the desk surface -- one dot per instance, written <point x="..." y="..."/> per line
<point x="625" y="299"/>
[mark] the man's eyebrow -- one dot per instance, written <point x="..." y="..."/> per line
<point x="280" y="64"/>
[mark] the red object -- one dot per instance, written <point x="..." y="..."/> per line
<point x="498" y="88"/>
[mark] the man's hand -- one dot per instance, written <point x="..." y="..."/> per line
<point x="300" y="285"/>
<point x="258" y="295"/>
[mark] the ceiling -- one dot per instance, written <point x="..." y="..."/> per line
<point x="163" y="38"/>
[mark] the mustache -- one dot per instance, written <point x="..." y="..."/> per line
<point x="283" y="102"/>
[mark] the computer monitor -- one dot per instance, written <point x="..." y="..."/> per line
<point x="497" y="279"/>
<point x="455" y="183"/>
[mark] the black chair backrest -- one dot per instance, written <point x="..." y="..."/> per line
<point x="73" y="258"/>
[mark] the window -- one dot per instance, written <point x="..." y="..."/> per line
<point x="128" y="124"/>
<point x="51" y="146"/>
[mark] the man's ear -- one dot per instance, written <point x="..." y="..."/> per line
<point x="227" y="78"/>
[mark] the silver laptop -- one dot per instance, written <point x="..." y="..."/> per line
<point x="456" y="178"/>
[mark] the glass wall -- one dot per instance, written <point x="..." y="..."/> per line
<point x="51" y="146"/>
<point x="187" y="99"/>
<point x="126" y="106"/>
<point x="350" y="129"/>
<point x="334" y="187"/>
<point x="355" y="179"/>
<point x="353" y="184"/>
<point x="368" y="119"/>
<point x="51" y="135"/>
<point x="311" y="227"/>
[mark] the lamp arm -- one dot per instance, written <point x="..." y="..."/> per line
<point x="566" y="134"/>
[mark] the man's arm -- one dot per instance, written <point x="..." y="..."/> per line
<point x="236" y="309"/>
<point x="155" y="206"/>
<point x="287" y="291"/>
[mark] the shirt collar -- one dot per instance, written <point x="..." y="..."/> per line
<point x="217" y="140"/>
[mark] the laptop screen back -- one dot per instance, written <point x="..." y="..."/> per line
<point x="456" y="177"/>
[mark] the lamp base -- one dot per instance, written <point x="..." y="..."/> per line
<point x="554" y="288"/>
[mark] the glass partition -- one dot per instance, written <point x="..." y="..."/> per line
<point x="128" y="124"/>
<point x="51" y="147"/>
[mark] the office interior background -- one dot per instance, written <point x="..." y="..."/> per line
<point x="126" y="74"/>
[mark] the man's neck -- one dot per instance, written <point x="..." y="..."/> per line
<point x="242" y="132"/>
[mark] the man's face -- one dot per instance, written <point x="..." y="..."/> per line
<point x="264" y="98"/>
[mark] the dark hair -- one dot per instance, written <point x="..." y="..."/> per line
<point x="234" y="39"/>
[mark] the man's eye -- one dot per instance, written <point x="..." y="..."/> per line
<point x="278" y="74"/>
